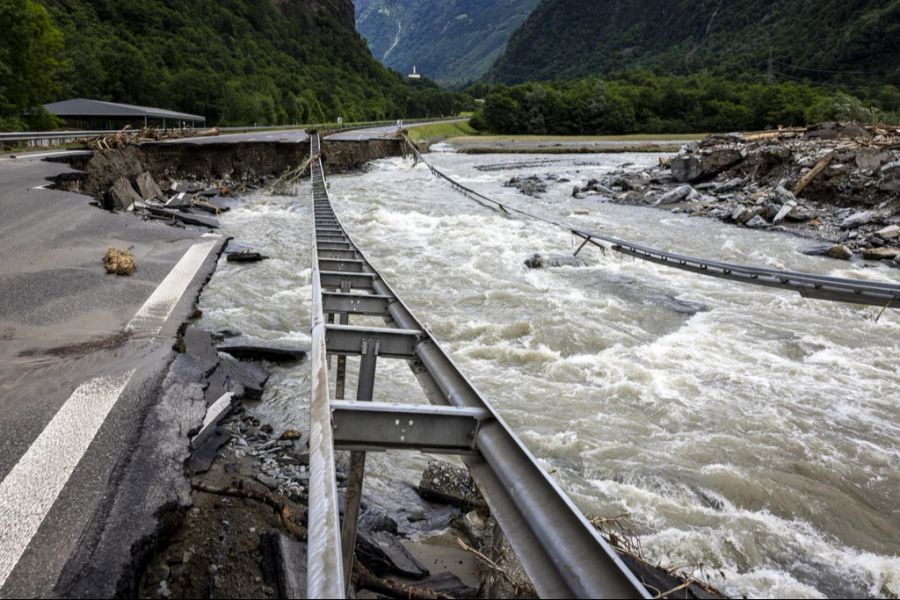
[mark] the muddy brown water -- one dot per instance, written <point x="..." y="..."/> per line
<point x="757" y="439"/>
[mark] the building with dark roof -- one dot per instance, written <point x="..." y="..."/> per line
<point x="96" y="114"/>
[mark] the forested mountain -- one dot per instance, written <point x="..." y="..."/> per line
<point x="236" y="62"/>
<point x="450" y="41"/>
<point x="849" y="41"/>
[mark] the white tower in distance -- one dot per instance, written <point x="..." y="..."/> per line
<point x="414" y="74"/>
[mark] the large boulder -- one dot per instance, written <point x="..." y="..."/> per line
<point x="679" y="194"/>
<point x="546" y="261"/>
<point x="148" y="187"/>
<point x="122" y="195"/>
<point x="881" y="253"/>
<point x="446" y="483"/>
<point x="862" y="218"/>
<point x="706" y="164"/>
<point x="839" y="252"/>
<point x="836" y="251"/>
<point x="890" y="232"/>
<point x="890" y="177"/>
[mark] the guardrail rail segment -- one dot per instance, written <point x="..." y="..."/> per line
<point x="560" y="550"/>
<point x="49" y="138"/>
<point x="817" y="287"/>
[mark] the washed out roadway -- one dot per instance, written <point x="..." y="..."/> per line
<point x="75" y="394"/>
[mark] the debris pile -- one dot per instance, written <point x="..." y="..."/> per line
<point x="179" y="203"/>
<point x="119" y="262"/>
<point x="528" y="185"/>
<point x="130" y="137"/>
<point x="836" y="182"/>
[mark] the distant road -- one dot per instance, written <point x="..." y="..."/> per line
<point x="293" y="136"/>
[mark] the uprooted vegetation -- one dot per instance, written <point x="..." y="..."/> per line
<point x="119" y="262"/>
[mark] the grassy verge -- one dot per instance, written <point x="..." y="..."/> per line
<point x="426" y="135"/>
<point x="575" y="144"/>
<point x="548" y="139"/>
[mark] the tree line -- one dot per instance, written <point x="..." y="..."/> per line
<point x="243" y="62"/>
<point x="642" y="102"/>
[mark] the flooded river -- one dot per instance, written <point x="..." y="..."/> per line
<point x="757" y="438"/>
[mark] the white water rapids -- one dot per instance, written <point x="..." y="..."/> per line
<point x="758" y="439"/>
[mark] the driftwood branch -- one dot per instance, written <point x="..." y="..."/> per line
<point x="811" y="176"/>
<point x="395" y="589"/>
<point x="283" y="511"/>
<point x="520" y="588"/>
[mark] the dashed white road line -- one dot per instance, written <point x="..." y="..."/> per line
<point x="151" y="317"/>
<point x="31" y="488"/>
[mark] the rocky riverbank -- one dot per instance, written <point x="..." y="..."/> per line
<point x="241" y="529"/>
<point x="835" y="183"/>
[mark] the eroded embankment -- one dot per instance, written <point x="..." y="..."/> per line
<point x="247" y="163"/>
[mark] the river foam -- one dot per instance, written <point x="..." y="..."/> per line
<point x="757" y="438"/>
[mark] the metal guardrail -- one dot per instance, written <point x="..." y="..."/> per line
<point x="562" y="553"/>
<point x="47" y="138"/>
<point x="816" y="287"/>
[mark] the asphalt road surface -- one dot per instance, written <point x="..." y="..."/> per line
<point x="83" y="436"/>
<point x="295" y="136"/>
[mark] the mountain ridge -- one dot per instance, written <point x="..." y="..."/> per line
<point x="451" y="41"/>
<point x="816" y="40"/>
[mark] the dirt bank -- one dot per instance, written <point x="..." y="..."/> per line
<point x="241" y="163"/>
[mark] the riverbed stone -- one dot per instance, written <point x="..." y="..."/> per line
<point x="881" y="253"/>
<point x="839" y="252"/>
<point x="698" y="166"/>
<point x="679" y="194"/>
<point x="859" y="219"/>
<point x="447" y="483"/>
<point x="757" y="222"/>
<point x="383" y="554"/>
<point x="546" y="261"/>
<point x="890" y="232"/>
<point x="786" y="210"/>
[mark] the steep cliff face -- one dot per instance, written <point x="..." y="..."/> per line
<point x="450" y="41"/>
<point x="791" y="39"/>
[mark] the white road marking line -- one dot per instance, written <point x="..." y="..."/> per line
<point x="152" y="316"/>
<point x="27" y="155"/>
<point x="30" y="489"/>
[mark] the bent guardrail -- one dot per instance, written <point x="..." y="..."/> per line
<point x="561" y="551"/>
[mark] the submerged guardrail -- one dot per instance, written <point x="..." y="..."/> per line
<point x="562" y="553"/>
<point x="818" y="287"/>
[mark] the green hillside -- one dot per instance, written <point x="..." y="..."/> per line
<point x="451" y="41"/>
<point x="236" y="62"/>
<point x="855" y="42"/>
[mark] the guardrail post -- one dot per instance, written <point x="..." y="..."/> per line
<point x="365" y="393"/>
<point x="341" y="375"/>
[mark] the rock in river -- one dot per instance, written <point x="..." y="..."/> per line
<point x="881" y="253"/>
<point x="383" y="554"/>
<point x="836" y="251"/>
<point x="679" y="194"/>
<point x="446" y="483"/>
<point x="540" y="261"/>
